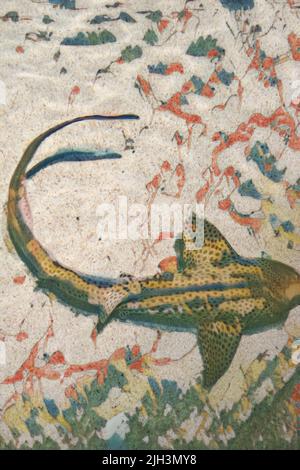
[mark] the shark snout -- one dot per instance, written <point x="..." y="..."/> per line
<point x="293" y="291"/>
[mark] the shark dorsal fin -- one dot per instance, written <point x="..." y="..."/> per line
<point x="214" y="251"/>
<point x="215" y="240"/>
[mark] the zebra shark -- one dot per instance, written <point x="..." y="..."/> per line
<point x="212" y="291"/>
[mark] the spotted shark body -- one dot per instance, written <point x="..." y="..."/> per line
<point x="213" y="292"/>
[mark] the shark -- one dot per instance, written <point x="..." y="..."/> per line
<point x="209" y="290"/>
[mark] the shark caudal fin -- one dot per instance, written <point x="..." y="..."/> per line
<point x="214" y="249"/>
<point x="218" y="341"/>
<point x="73" y="288"/>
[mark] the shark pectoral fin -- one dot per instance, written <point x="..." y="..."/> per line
<point x="218" y="341"/>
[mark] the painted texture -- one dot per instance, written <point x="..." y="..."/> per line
<point x="215" y="86"/>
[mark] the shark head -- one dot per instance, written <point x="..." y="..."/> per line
<point x="283" y="280"/>
<point x="292" y="291"/>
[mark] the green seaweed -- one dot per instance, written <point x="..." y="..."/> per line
<point x="131" y="53"/>
<point x="90" y="39"/>
<point x="150" y="37"/>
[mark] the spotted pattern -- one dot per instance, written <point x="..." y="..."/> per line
<point x="217" y="292"/>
